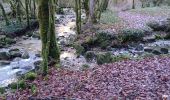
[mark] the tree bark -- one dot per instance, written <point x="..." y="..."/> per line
<point x="4" y="14"/>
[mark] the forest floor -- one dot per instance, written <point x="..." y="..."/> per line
<point x="147" y="79"/>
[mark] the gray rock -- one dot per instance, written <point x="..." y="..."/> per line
<point x="27" y="68"/>
<point x="25" y="55"/>
<point x="139" y="47"/>
<point x="147" y="49"/>
<point x="15" y="67"/>
<point x="15" y="53"/>
<point x="156" y="52"/>
<point x="37" y="55"/>
<point x="37" y="64"/>
<point x="164" y="50"/>
<point x="4" y="55"/>
<point x="4" y="62"/>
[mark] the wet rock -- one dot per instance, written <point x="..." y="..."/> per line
<point x="15" y="67"/>
<point x="27" y="67"/>
<point x="156" y="52"/>
<point x="37" y="64"/>
<point x="139" y="47"/>
<point x="38" y="55"/>
<point x="4" y="62"/>
<point x="148" y="49"/>
<point x="15" y="53"/>
<point x="4" y="55"/>
<point x="25" y="55"/>
<point x="149" y="39"/>
<point x="164" y="50"/>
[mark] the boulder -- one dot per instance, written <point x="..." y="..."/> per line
<point x="90" y="55"/>
<point x="27" y="68"/>
<point x="4" y="55"/>
<point x="4" y="62"/>
<point x="164" y="50"/>
<point x="25" y="55"/>
<point x="148" y="49"/>
<point x="156" y="52"/>
<point x="15" y="53"/>
<point x="37" y="64"/>
<point x="139" y="47"/>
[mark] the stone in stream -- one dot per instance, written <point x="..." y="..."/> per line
<point x="15" y="53"/>
<point x="139" y="47"/>
<point x="156" y="52"/>
<point x="25" y="55"/>
<point x="27" y="67"/>
<point x="148" y="49"/>
<point x="37" y="64"/>
<point x="164" y="50"/>
<point x="4" y="62"/>
<point x="4" y="55"/>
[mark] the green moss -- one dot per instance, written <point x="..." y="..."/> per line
<point x="79" y="49"/>
<point x="158" y="37"/>
<point x="85" y="66"/>
<point x="104" y="58"/>
<point x="18" y="85"/>
<point x="13" y="86"/>
<point x="33" y="89"/>
<point x="21" y="84"/>
<point x="30" y="76"/>
<point x="129" y="35"/>
<point x="120" y="58"/>
<point x="89" y="55"/>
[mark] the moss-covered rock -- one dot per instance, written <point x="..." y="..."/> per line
<point x="79" y="49"/>
<point x="90" y="55"/>
<point x="131" y="35"/>
<point x="104" y="58"/>
<point x="5" y="41"/>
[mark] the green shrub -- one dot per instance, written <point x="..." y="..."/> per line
<point x="104" y="58"/>
<point x="2" y="90"/>
<point x="33" y="89"/>
<point x="18" y="85"/>
<point x="129" y="35"/>
<point x="13" y="85"/>
<point x="21" y="84"/>
<point x="30" y="76"/>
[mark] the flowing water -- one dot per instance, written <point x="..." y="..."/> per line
<point x="65" y="25"/>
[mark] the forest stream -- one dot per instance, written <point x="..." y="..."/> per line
<point x="65" y="31"/>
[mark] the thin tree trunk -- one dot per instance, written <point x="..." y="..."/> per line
<point x="43" y="17"/>
<point x="4" y="14"/>
<point x="27" y="12"/>
<point x="92" y="17"/>
<point x="54" y="52"/>
<point x="78" y="15"/>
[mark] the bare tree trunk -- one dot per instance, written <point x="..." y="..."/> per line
<point x="78" y="15"/>
<point x="4" y="14"/>
<point x="92" y="17"/>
